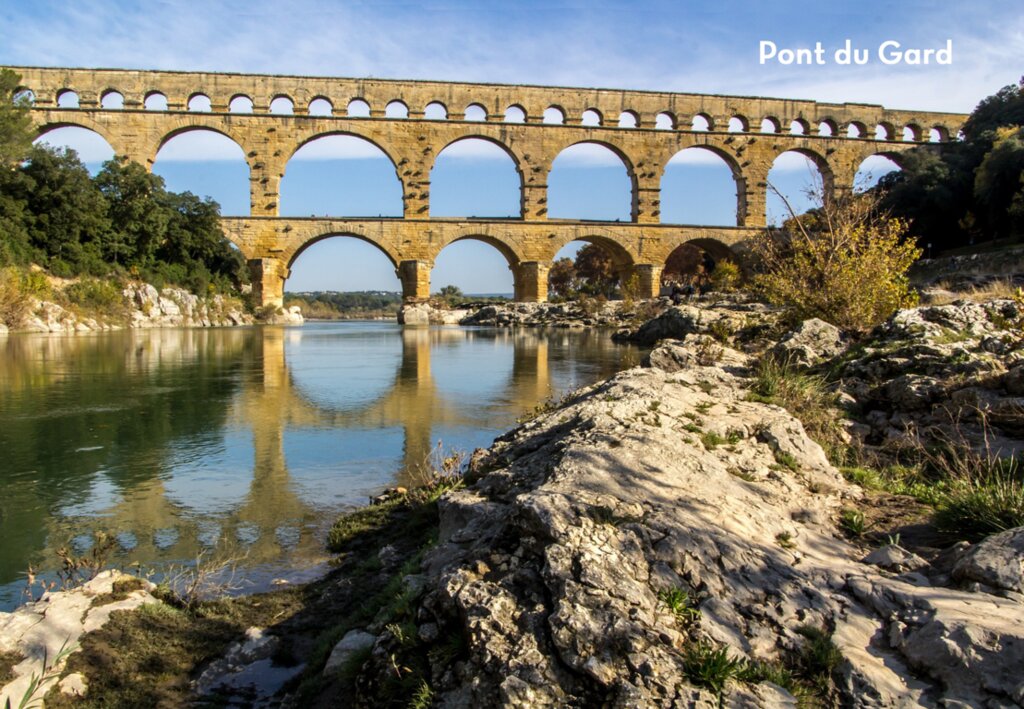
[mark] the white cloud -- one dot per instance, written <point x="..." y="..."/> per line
<point x="588" y="155"/>
<point x="90" y="146"/>
<point x="200" y="146"/>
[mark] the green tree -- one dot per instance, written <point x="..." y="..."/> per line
<point x="594" y="271"/>
<point x="67" y="215"/>
<point x="998" y="187"/>
<point x="137" y="209"/>
<point x="948" y="198"/>
<point x="16" y="131"/>
<point x="561" y="278"/>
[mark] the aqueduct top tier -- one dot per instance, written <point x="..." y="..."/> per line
<point x="645" y="128"/>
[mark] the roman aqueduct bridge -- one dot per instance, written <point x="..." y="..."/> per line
<point x="645" y="129"/>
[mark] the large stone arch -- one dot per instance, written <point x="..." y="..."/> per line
<point x="517" y="162"/>
<point x="731" y="162"/>
<point x="506" y="246"/>
<point x="297" y="249"/>
<point x="306" y="139"/>
<point x="617" y="150"/>
<point x="187" y="124"/>
<point x="84" y="122"/>
<point x="717" y="249"/>
<point x="825" y="168"/>
<point x="623" y="256"/>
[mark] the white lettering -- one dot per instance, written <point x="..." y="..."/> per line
<point x="768" y="50"/>
<point x="893" y="55"/>
<point x="945" y="56"/>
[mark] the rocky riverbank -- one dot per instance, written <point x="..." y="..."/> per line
<point x="143" y="306"/>
<point x="671" y="536"/>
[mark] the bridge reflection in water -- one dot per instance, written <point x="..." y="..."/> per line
<point x="245" y="442"/>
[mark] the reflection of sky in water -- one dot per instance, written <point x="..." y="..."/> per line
<point x="212" y="478"/>
<point x="331" y="467"/>
<point x="344" y="369"/>
<point x="182" y="442"/>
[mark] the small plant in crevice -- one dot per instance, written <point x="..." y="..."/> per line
<point x="819" y="656"/>
<point x="681" y="604"/>
<point x="713" y="667"/>
<point x="787" y="460"/>
<point x="852" y="522"/>
<point x="785" y="540"/>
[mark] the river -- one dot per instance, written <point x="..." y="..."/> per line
<point x="246" y="443"/>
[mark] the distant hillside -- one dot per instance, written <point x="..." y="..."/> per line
<point x="331" y="305"/>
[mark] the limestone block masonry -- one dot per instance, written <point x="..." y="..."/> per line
<point x="663" y="127"/>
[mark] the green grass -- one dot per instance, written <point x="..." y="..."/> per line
<point x="974" y="508"/>
<point x="680" y="604"/>
<point x="785" y="540"/>
<point x="787" y="460"/>
<point x="805" y="396"/>
<point x="852" y="522"/>
<point x="708" y="666"/>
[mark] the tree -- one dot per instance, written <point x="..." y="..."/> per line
<point x="67" y="215"/>
<point x="846" y="264"/>
<point x="944" y="197"/>
<point x="138" y="209"/>
<point x="595" y="273"/>
<point x="998" y="188"/>
<point x="561" y="278"/>
<point x="16" y="130"/>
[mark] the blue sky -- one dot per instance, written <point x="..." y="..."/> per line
<point x="672" y="46"/>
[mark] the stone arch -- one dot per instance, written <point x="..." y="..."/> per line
<point x="629" y="119"/>
<point x="240" y="103"/>
<point x="723" y="157"/>
<point x="666" y="120"/>
<point x="189" y="123"/>
<point x="308" y="241"/>
<point x="856" y="129"/>
<point x="282" y="105"/>
<point x="67" y="98"/>
<point x="396" y="109"/>
<point x="111" y="99"/>
<point x="506" y="246"/>
<point x="515" y="114"/>
<point x="475" y="112"/>
<point x="153" y="99"/>
<point x="911" y="133"/>
<point x="788" y="184"/>
<point x="701" y="122"/>
<point x="24" y="94"/>
<point x="938" y="134"/>
<point x="383" y="174"/>
<point x="798" y="126"/>
<point x="738" y="124"/>
<point x="885" y="131"/>
<point x="615" y="150"/>
<point x="358" y="107"/>
<point x="83" y="122"/>
<point x="214" y="169"/>
<point x="554" y="115"/>
<point x="93" y="146"/>
<point x="865" y="179"/>
<point x="199" y="102"/>
<point x="516" y="165"/>
<point x="320" y="106"/>
<point x="622" y="256"/>
<point x="591" y="117"/>
<point x="435" y="111"/>
<point x="691" y="256"/>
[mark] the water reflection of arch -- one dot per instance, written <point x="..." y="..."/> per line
<point x="414" y="402"/>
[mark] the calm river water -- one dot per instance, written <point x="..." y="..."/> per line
<point x="246" y="442"/>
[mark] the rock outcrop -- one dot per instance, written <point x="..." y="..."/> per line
<point x="556" y="565"/>
<point x="954" y="369"/>
<point x="146" y="307"/>
<point x="40" y="631"/>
